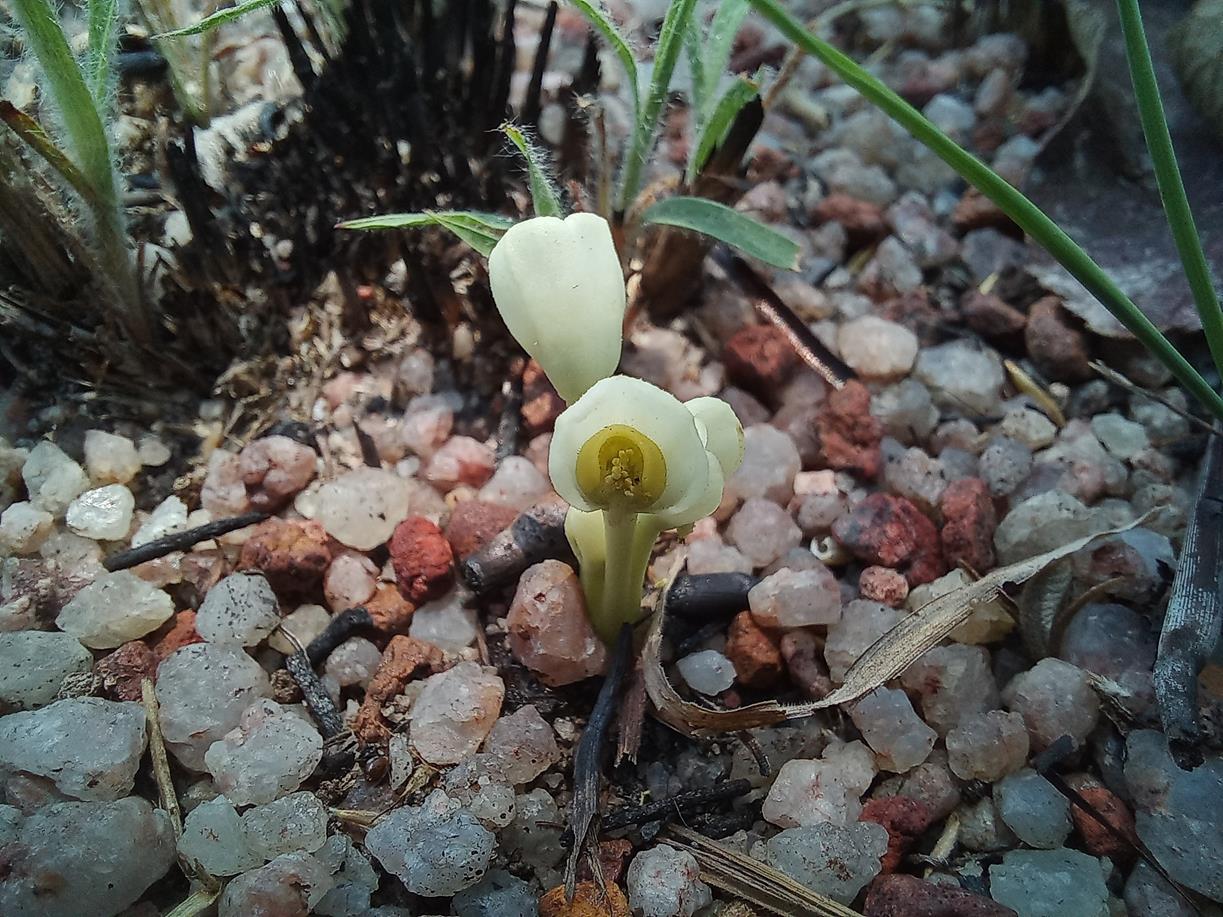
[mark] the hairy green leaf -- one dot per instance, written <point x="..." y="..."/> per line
<point x="695" y="47"/>
<point x="103" y="34"/>
<point x="479" y="230"/>
<point x="666" y="52"/>
<point x="598" y="17"/>
<point x="219" y="18"/>
<point x="713" y="130"/>
<point x="37" y="139"/>
<point x="544" y="196"/>
<point x="720" y="222"/>
<point x="718" y="44"/>
<point x="78" y="110"/>
<point x="1013" y="203"/>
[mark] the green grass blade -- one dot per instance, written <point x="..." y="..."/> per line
<point x="37" y="139"/>
<point x="666" y="52"/>
<point x="219" y="18"/>
<point x="1168" y="177"/>
<point x="713" y="131"/>
<point x="76" y="104"/>
<point x="720" y="222"/>
<point x="721" y="39"/>
<point x="700" y="91"/>
<point x="103" y="34"/>
<point x="479" y="230"/>
<point x="544" y="196"/>
<point x="602" y="23"/>
<point x="1026" y="215"/>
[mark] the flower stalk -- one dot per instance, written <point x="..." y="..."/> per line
<point x="631" y="460"/>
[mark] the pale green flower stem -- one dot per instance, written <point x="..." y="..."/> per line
<point x="613" y="584"/>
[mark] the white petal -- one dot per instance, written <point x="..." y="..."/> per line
<point x="559" y="287"/>
<point x="645" y="407"/>
<point x="586" y="536"/>
<point x="699" y="503"/>
<point x="723" y="432"/>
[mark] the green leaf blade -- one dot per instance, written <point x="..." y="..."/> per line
<point x="219" y="18"/>
<point x="713" y="130"/>
<point x="602" y="23"/>
<point x="482" y="231"/>
<point x="1168" y="177"/>
<point x="103" y="35"/>
<point x="728" y="226"/>
<point x="544" y="196"/>
<point x="666" y="52"/>
<point x="718" y="45"/>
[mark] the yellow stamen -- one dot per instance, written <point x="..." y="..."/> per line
<point x="622" y="467"/>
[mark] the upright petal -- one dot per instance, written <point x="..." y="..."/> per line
<point x="656" y="414"/>
<point x="723" y="432"/>
<point x="559" y="287"/>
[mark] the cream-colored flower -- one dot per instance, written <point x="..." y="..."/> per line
<point x="633" y="461"/>
<point x="559" y="287"/>
<point x="628" y="447"/>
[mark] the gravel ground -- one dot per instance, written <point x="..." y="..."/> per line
<point x="419" y="759"/>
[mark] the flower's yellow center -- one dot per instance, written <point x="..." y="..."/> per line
<point x="622" y="467"/>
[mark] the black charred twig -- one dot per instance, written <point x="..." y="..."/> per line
<point x="339" y="744"/>
<point x="537" y="534"/>
<point x="338" y="629"/>
<point x="1044" y="764"/>
<point x="532" y="105"/>
<point x="631" y="722"/>
<point x="588" y="760"/>
<point x="680" y="804"/>
<point x="180" y="541"/>
<point x="769" y="305"/>
<point x="707" y="595"/>
<point x="509" y="426"/>
<point x="723" y="824"/>
<point x="314" y="695"/>
<point x="369" y="448"/>
<point x="1195" y="612"/>
<point x="298" y="58"/>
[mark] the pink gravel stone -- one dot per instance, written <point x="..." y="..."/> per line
<point x="462" y="460"/>
<point x="988" y="746"/>
<point x="796" y="598"/>
<point x="224" y="490"/>
<point x="454" y="712"/>
<point x="275" y="468"/>
<point x="883" y="584"/>
<point x="763" y="531"/>
<point x="549" y="631"/>
<point x="350" y="581"/>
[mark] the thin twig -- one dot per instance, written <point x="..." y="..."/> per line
<point x="180" y="541"/>
<point x="588" y="760"/>
<point x="1062" y="748"/>
<point x="314" y="695"/>
<point x="679" y="804"/>
<point x="1133" y="388"/>
<point x="338" y="629"/>
<point x="161" y="762"/>
<point x="831" y="368"/>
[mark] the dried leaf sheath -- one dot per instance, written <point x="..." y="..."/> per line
<point x="890" y="655"/>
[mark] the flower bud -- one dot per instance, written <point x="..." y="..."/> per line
<point x="559" y="287"/>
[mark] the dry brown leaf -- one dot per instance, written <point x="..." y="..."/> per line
<point x="886" y="658"/>
<point x="753" y="881"/>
